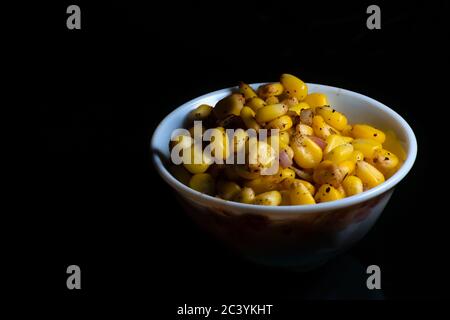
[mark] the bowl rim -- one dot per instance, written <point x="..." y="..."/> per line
<point x="309" y="208"/>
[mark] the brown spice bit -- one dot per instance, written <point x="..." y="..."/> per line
<point x="375" y="134"/>
<point x="333" y="111"/>
<point x="327" y="189"/>
<point x="386" y="158"/>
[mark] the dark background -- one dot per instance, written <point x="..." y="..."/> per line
<point x="96" y="94"/>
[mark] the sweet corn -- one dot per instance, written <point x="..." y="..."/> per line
<point x="385" y="161"/>
<point x="332" y="117"/>
<point x="202" y="182"/>
<point x="307" y="154"/>
<point x="334" y="140"/>
<point x="227" y="189"/>
<point x="366" y="146"/>
<point x="285" y="200"/>
<point x="219" y="145"/>
<point x="270" y="198"/>
<point x="272" y="100"/>
<point x="229" y="105"/>
<point x="352" y="185"/>
<point x="296" y="109"/>
<point x="244" y="172"/>
<point x="239" y="137"/>
<point x="321" y="128"/>
<point x="248" y="117"/>
<point x="247" y="91"/>
<point x="304" y="129"/>
<point x="347" y="131"/>
<point x="347" y="167"/>
<point x="364" y="131"/>
<point x="193" y="156"/>
<point x="357" y="156"/>
<point x="269" y="90"/>
<point x="328" y="172"/>
<point x="246" y="195"/>
<point x="283" y="139"/>
<point x="393" y="144"/>
<point x="316" y="100"/>
<point x="202" y="112"/>
<point x="270" y="112"/>
<point x="294" y="87"/>
<point x="281" y="123"/>
<point x="290" y="101"/>
<point x="299" y="195"/>
<point x="327" y="193"/>
<point x="340" y="153"/>
<point x="269" y="183"/>
<point x="290" y="183"/>
<point x="256" y="103"/>
<point x="369" y="175"/>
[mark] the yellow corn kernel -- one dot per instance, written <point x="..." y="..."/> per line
<point x="281" y="123"/>
<point x="200" y="113"/>
<point x="219" y="144"/>
<point x="347" y="131"/>
<point x="321" y="128"/>
<point x="300" y="195"/>
<point x="307" y="154"/>
<point x="328" y="172"/>
<point x="246" y="195"/>
<point x="366" y="146"/>
<point x="180" y="173"/>
<point x="227" y="189"/>
<point x="294" y="87"/>
<point x="385" y="161"/>
<point x="283" y="139"/>
<point x="269" y="90"/>
<point x="304" y="129"/>
<point x="192" y="131"/>
<point x="285" y="200"/>
<point x="369" y="175"/>
<point x="335" y="140"/>
<point x="316" y="100"/>
<point x="357" y="156"/>
<point x="340" y="153"/>
<point x="182" y="141"/>
<point x="270" y="198"/>
<point x="248" y="117"/>
<point x="332" y="117"/>
<point x="341" y="190"/>
<point x="195" y="155"/>
<point x="270" y="112"/>
<point x="347" y="167"/>
<point x="393" y="144"/>
<point x="202" y="182"/>
<point x="256" y="103"/>
<point x="352" y="185"/>
<point x="327" y="193"/>
<point x="244" y="172"/>
<point x="269" y="183"/>
<point x="247" y="91"/>
<point x="295" y="110"/>
<point x="229" y="105"/>
<point x="290" y="183"/>
<point x="290" y="101"/>
<point x="239" y="139"/>
<point x="272" y="100"/>
<point x="364" y="131"/>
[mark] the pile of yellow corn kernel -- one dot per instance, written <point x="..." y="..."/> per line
<point x="322" y="157"/>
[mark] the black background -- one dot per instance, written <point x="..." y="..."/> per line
<point x="96" y="94"/>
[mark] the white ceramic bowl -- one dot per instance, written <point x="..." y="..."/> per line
<point x="292" y="236"/>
